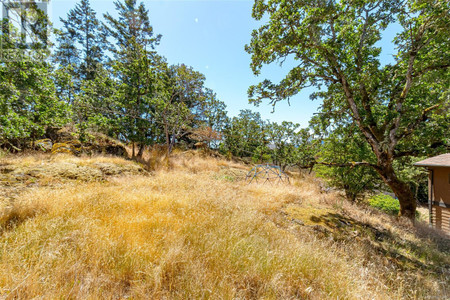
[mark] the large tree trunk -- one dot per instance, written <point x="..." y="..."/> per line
<point x="141" y="150"/>
<point x="401" y="190"/>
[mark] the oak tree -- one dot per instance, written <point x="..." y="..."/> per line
<point x="400" y="107"/>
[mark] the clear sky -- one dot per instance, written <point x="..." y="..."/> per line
<point x="210" y="36"/>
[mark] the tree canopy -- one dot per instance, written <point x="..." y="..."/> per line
<point x="400" y="108"/>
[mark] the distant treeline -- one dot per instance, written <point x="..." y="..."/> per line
<point x="105" y="75"/>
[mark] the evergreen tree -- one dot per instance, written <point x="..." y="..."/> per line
<point x="81" y="41"/>
<point x="213" y="117"/>
<point x="67" y="58"/>
<point x="135" y="66"/>
<point x="213" y="111"/>
<point x="79" y="56"/>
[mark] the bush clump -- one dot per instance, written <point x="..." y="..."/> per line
<point x="385" y="203"/>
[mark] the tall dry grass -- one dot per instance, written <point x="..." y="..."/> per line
<point x="186" y="233"/>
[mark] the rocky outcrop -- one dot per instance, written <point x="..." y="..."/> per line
<point x="62" y="140"/>
<point x="71" y="147"/>
<point x="44" y="145"/>
<point x="59" y="134"/>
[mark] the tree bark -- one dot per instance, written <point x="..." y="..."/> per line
<point x="141" y="150"/>
<point x="401" y="190"/>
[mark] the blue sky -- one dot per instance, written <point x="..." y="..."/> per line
<point x="210" y="36"/>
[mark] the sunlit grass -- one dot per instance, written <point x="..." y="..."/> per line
<point x="184" y="233"/>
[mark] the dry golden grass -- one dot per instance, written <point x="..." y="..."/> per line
<point x="45" y="169"/>
<point x="189" y="232"/>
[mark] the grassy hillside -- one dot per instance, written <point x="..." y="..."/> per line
<point x="104" y="228"/>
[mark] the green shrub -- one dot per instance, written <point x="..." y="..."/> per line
<point x="385" y="203"/>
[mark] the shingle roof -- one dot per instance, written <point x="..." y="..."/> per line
<point x="442" y="160"/>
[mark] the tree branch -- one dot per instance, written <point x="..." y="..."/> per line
<point x="415" y="47"/>
<point x="349" y="164"/>
<point x="430" y="68"/>
<point x="365" y="99"/>
<point x="417" y="152"/>
<point x="412" y="126"/>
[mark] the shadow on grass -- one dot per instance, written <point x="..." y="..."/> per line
<point x="427" y="254"/>
<point x="12" y="218"/>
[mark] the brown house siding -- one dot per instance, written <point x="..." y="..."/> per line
<point x="441" y="218"/>
<point x="440" y="197"/>
<point x="438" y="190"/>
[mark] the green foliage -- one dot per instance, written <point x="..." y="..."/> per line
<point x="400" y="108"/>
<point x="28" y="103"/>
<point x="97" y="105"/>
<point x="339" y="149"/>
<point x="213" y="114"/>
<point x="281" y="138"/>
<point x="134" y="95"/>
<point x="135" y="65"/>
<point x="78" y="58"/>
<point x="285" y="144"/>
<point x="245" y="136"/>
<point x="385" y="203"/>
<point x="81" y="42"/>
<point x="180" y="101"/>
<point x="416" y="178"/>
